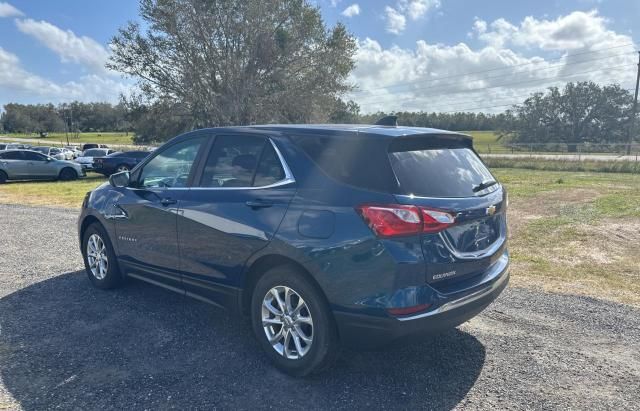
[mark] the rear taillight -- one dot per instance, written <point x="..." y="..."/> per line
<point x="402" y="220"/>
<point x="436" y="220"/>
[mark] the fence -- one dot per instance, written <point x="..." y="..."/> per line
<point x="630" y="152"/>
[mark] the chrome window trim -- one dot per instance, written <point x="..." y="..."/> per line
<point x="288" y="177"/>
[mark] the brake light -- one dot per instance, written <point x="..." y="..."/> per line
<point x="436" y="220"/>
<point x="392" y="220"/>
<point x="402" y="220"/>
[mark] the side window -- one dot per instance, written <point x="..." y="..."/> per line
<point x="171" y="167"/>
<point x="13" y="155"/>
<point x="31" y="156"/>
<point x="232" y="161"/>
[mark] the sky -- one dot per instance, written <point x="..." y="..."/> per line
<point x="430" y="55"/>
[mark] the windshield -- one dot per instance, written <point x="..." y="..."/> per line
<point x="441" y="172"/>
<point x="94" y="152"/>
<point x="43" y="150"/>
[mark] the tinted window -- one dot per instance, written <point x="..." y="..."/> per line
<point x="139" y="154"/>
<point x="358" y="161"/>
<point x="171" y="167"/>
<point x="232" y="161"/>
<point x="41" y="149"/>
<point x="12" y="155"/>
<point x="439" y="172"/>
<point x="94" y="152"/>
<point x="32" y="156"/>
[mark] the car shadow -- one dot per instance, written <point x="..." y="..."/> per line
<point x="64" y="344"/>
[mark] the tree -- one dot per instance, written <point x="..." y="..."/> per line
<point x="345" y="113"/>
<point x="234" y="62"/>
<point x="582" y="112"/>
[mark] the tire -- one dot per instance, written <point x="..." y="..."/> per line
<point x="323" y="348"/>
<point x="67" y="174"/>
<point x="101" y="277"/>
<point x="3" y="177"/>
<point x="122" y="167"/>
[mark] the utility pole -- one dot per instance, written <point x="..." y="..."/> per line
<point x="634" y="110"/>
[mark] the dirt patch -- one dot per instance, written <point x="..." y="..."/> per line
<point x="579" y="252"/>
<point x="546" y="204"/>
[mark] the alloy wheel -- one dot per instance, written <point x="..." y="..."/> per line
<point x="287" y="322"/>
<point x="97" y="257"/>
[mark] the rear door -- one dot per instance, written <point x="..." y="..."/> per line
<point x="13" y="163"/>
<point x="242" y="195"/>
<point x="446" y="175"/>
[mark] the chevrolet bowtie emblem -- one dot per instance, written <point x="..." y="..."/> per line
<point x="491" y="210"/>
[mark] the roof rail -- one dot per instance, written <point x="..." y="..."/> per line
<point x="388" y="121"/>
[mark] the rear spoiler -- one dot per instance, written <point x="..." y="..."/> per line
<point x="430" y="141"/>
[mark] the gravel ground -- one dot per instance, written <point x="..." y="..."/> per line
<point x="66" y="345"/>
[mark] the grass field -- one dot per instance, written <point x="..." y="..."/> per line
<point x="482" y="140"/>
<point x="50" y="193"/>
<point x="61" y="138"/>
<point x="570" y="232"/>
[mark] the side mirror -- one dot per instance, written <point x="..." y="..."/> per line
<point x="120" y="179"/>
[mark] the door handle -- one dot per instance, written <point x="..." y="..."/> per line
<point x="258" y="204"/>
<point x="168" y="201"/>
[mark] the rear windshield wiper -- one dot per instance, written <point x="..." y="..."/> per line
<point x="483" y="185"/>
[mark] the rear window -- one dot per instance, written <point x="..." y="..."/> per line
<point x="95" y="152"/>
<point x="439" y="172"/>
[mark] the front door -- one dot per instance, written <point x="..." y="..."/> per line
<point x="243" y="194"/>
<point x="39" y="166"/>
<point x="146" y="213"/>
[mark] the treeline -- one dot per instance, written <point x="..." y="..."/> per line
<point x="582" y="112"/>
<point x="445" y="121"/>
<point x="154" y="121"/>
<point x="66" y="117"/>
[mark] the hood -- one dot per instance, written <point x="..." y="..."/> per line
<point x="84" y="159"/>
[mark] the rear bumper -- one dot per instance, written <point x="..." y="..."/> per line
<point x="368" y="331"/>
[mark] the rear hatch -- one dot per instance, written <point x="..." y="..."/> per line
<point x="445" y="178"/>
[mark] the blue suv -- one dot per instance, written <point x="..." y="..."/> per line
<point x="328" y="235"/>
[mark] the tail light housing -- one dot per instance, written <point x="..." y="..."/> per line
<point x="394" y="220"/>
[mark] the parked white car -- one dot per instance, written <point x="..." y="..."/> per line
<point x="86" y="159"/>
<point x="54" y="152"/>
<point x="68" y="154"/>
<point x="75" y="150"/>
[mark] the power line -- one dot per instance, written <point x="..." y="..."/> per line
<point x="548" y="79"/>
<point x="485" y="107"/>
<point x="499" y="68"/>
<point x="506" y="98"/>
<point x="515" y="73"/>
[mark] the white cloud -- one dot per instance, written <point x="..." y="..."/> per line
<point x="334" y="3"/>
<point x="396" y="21"/>
<point x="352" y="10"/>
<point x="7" y="10"/>
<point x="70" y="47"/>
<point x="440" y="77"/>
<point x="416" y="9"/>
<point x="20" y="85"/>
<point x="576" y="30"/>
